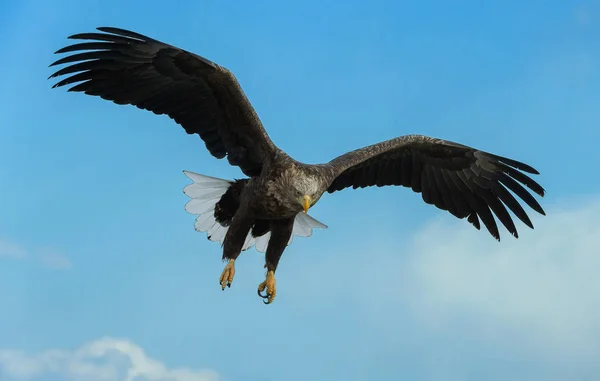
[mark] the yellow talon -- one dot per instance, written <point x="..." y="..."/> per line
<point x="269" y="285"/>
<point x="227" y="274"/>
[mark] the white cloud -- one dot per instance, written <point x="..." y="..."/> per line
<point x="11" y="250"/>
<point x="54" y="259"/>
<point x="586" y="14"/>
<point x="542" y="290"/>
<point x="538" y="296"/>
<point x="105" y="359"/>
<point x="46" y="257"/>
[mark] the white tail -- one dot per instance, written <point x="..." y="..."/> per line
<point x="206" y="191"/>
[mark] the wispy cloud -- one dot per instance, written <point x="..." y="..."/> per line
<point x="11" y="250"/>
<point x="105" y="359"/>
<point x="46" y="257"/>
<point x="586" y="13"/>
<point x="542" y="290"/>
<point x="53" y="259"/>
<point x="538" y="295"/>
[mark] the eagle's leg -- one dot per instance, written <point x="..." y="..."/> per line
<point x="227" y="274"/>
<point x="281" y="231"/>
<point x="269" y="286"/>
<point x="232" y="247"/>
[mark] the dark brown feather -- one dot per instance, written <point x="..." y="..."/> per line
<point x="466" y="182"/>
<point x="204" y="98"/>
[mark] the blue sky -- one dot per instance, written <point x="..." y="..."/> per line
<point x="101" y="272"/>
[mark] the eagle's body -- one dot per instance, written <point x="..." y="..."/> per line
<point x="270" y="206"/>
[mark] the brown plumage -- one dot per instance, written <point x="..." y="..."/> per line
<point x="266" y="208"/>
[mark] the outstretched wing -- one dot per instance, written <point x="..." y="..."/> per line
<point x="204" y="98"/>
<point x="462" y="180"/>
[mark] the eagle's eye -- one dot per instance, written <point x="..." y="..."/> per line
<point x="298" y="193"/>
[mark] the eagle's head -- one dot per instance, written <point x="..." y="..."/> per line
<point x="303" y="189"/>
<point x="297" y="188"/>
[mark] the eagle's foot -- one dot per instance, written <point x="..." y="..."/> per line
<point x="269" y="285"/>
<point x="227" y="274"/>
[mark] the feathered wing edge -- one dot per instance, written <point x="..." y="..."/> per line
<point x="201" y="96"/>
<point x="206" y="191"/>
<point x="477" y="186"/>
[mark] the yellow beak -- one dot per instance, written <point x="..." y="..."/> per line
<point x="306" y="203"/>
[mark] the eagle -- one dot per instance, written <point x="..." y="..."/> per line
<point x="270" y="206"/>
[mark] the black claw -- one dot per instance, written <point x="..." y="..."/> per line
<point x="228" y="285"/>
<point x="267" y="302"/>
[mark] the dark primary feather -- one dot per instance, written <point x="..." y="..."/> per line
<point x="462" y="180"/>
<point x="204" y="98"/>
